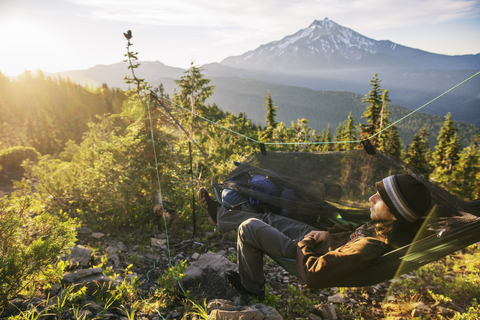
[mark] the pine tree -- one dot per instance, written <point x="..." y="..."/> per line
<point x="446" y="153"/>
<point x="465" y="183"/>
<point x="372" y="113"/>
<point x="349" y="133"/>
<point x="269" y="118"/>
<point x="416" y="155"/>
<point x="339" y="137"/>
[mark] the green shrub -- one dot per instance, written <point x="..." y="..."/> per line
<point x="29" y="245"/>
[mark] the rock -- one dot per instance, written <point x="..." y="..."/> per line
<point x="85" y="314"/>
<point x="269" y="313"/>
<point x="445" y="311"/>
<point x="205" y="277"/>
<point x="94" y="307"/>
<point x="54" y="289"/>
<point x="337" y="298"/>
<point x="79" y="256"/>
<point x="328" y="311"/>
<point x="97" y="235"/>
<point x="421" y="307"/>
<point x="249" y="314"/>
<point x="224" y="309"/>
<point x="159" y="243"/>
<point x="109" y="315"/>
<point x="221" y="304"/>
<point x="18" y="303"/>
<point x="176" y="314"/>
<point x="195" y="256"/>
<point x="316" y="309"/>
<point x="86" y="275"/>
<point x="121" y="246"/>
<point x="84" y="230"/>
<point x="111" y="250"/>
<point x="35" y="302"/>
<point x="116" y="259"/>
<point x="312" y="316"/>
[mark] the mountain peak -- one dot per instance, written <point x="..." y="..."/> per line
<point x="324" y="24"/>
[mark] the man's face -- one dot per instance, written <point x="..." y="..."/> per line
<point x="379" y="210"/>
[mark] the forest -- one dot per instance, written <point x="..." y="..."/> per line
<point x="102" y="158"/>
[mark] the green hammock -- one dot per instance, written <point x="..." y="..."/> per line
<point x="334" y="186"/>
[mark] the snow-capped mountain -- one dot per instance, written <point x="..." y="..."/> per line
<point x="327" y="45"/>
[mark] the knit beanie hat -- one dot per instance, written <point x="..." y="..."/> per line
<point x="405" y="196"/>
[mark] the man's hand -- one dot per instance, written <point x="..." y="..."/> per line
<point x="319" y="236"/>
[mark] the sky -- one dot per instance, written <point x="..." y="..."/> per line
<point x="61" y="35"/>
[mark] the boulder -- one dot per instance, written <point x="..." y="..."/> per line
<point x="328" y="311"/>
<point x="79" y="256"/>
<point x="224" y="309"/>
<point x="337" y="298"/>
<point x="85" y="276"/>
<point x="97" y="235"/>
<point x="206" y="277"/>
<point x="159" y="243"/>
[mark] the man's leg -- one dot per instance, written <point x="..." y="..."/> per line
<point x="293" y="229"/>
<point x="254" y="238"/>
<point x="230" y="219"/>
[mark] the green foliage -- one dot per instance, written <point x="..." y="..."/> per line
<point x="168" y="284"/>
<point x="29" y="244"/>
<point x="106" y="181"/>
<point x="200" y="310"/>
<point x="298" y="304"/>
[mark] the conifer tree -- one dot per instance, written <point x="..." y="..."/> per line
<point x="465" y="176"/>
<point x="339" y="138"/>
<point x="326" y="136"/>
<point x="349" y="133"/>
<point x="269" y="118"/>
<point x="372" y="113"/>
<point x="446" y="153"/>
<point x="416" y="155"/>
<point x="195" y="88"/>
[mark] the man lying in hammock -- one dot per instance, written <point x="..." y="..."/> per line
<point x="324" y="258"/>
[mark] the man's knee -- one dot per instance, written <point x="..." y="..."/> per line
<point x="247" y="226"/>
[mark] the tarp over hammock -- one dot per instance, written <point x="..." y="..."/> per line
<point x="335" y="187"/>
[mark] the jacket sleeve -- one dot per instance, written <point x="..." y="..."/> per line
<point x="337" y="266"/>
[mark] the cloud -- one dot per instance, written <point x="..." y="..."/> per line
<point x="216" y="13"/>
<point x="236" y="21"/>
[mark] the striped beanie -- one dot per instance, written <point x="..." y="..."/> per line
<point x="405" y="196"/>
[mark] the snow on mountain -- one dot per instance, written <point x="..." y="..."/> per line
<point x="327" y="45"/>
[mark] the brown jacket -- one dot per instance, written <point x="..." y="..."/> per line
<point x="344" y="253"/>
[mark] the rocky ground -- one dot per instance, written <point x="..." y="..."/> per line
<point x="287" y="294"/>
